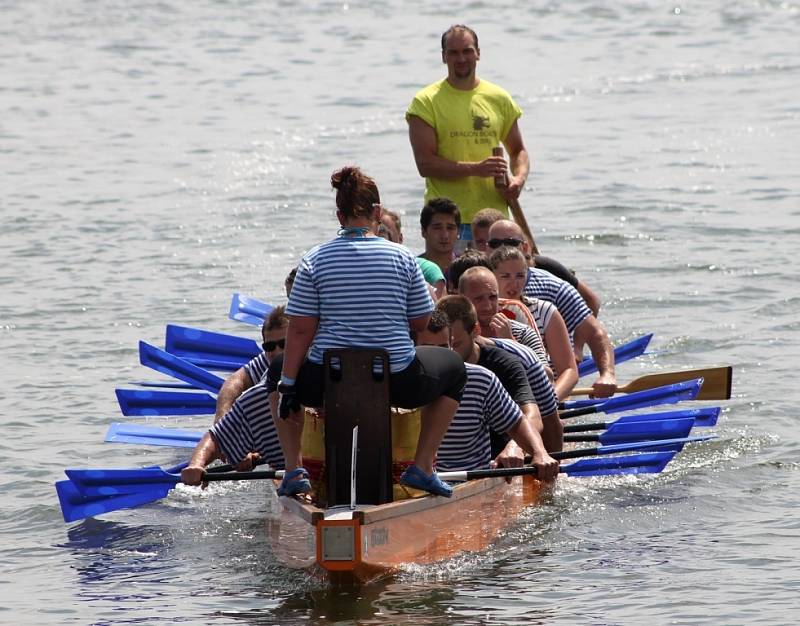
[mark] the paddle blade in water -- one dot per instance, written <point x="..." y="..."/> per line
<point x="626" y="432"/>
<point x="642" y="431"/>
<point x="152" y="436"/>
<point x="647" y="463"/>
<point x="658" y="444"/>
<point x="248" y="310"/>
<point x="703" y="418"/>
<point x="75" y="505"/>
<point x="144" y="402"/>
<point x="97" y="482"/>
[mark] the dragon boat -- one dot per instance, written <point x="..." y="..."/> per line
<point x="361" y="523"/>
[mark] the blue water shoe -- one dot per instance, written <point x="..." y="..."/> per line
<point x="416" y="478"/>
<point x="294" y="482"/>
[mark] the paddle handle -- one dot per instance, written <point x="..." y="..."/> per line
<point x="582" y="437"/>
<point x="500" y="180"/>
<point x="581" y="428"/>
<point x="261" y="475"/>
<point x="569" y="413"/>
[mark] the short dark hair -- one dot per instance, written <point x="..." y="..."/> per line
<point x="458" y="308"/>
<point x="289" y="282"/>
<point x="472" y="257"/>
<point x="455" y="28"/>
<point x="435" y="206"/>
<point x="277" y="318"/>
<point x="437" y="322"/>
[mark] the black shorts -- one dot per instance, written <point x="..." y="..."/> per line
<point x="434" y="372"/>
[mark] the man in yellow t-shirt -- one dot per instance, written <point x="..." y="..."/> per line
<point x="453" y="125"/>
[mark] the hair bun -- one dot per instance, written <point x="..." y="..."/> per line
<point x="346" y="178"/>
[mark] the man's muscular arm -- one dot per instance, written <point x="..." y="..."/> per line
<point x="234" y="386"/>
<point x="520" y="162"/>
<point x="431" y="165"/>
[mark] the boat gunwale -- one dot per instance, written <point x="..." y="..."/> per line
<point x="370" y="514"/>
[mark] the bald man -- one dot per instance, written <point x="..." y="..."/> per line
<point x="584" y="328"/>
<point x="479" y="286"/>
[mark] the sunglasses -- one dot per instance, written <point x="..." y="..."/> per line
<point x="269" y="346"/>
<point x="510" y="241"/>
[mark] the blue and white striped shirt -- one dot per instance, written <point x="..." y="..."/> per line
<point x="542" y="388"/>
<point x="363" y="290"/>
<point x="248" y="427"/>
<point x="484" y="405"/>
<point x="257" y="367"/>
<point x="527" y="336"/>
<point x="568" y="301"/>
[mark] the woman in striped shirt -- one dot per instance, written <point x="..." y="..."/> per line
<point x="360" y="290"/>
<point x="511" y="270"/>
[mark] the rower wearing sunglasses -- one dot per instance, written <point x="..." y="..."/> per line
<point x="273" y="334"/>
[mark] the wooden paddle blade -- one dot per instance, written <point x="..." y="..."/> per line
<point x="716" y="382"/>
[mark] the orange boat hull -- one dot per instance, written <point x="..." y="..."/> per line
<point x="372" y="541"/>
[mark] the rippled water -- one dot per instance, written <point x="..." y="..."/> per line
<point x="157" y="156"/>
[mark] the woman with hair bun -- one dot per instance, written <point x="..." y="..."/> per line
<point x="360" y="290"/>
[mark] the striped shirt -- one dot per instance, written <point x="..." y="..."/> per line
<point x="363" y="290"/>
<point x="569" y="302"/>
<point x="257" y="367"/>
<point x="529" y="337"/>
<point x="542" y="388"/>
<point x="248" y="427"/>
<point x="485" y="405"/>
<point x="542" y="312"/>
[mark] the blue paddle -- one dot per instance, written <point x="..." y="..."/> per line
<point x="163" y="384"/>
<point x="179" y="368"/>
<point x="625" y="352"/>
<point x="113" y="482"/>
<point x="638" y="431"/>
<point x="646" y="463"/>
<point x="248" y="310"/>
<point x="115" y="493"/>
<point x="145" y="402"/>
<point x="200" y="346"/>
<point x="668" y="394"/>
<point x="705" y="417"/>
<point x="153" y="435"/>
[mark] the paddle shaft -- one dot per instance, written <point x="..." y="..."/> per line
<point x="501" y="182"/>
<point x="260" y="475"/>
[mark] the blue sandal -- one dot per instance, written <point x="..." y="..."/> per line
<point x="416" y="478"/>
<point x="294" y="482"/>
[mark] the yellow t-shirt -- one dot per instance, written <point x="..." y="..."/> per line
<point x="468" y="125"/>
